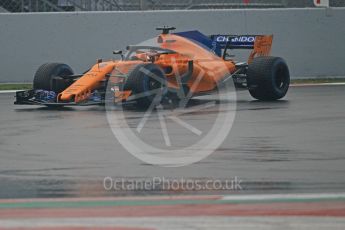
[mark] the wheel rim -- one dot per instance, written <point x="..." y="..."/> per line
<point x="153" y="84"/>
<point x="281" y="78"/>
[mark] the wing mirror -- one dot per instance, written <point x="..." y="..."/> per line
<point x="118" y="52"/>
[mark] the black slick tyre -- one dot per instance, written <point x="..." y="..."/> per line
<point x="43" y="78"/>
<point x="268" y="78"/>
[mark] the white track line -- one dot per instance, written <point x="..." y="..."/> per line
<point x="183" y="223"/>
<point x="263" y="197"/>
<point x="317" y="84"/>
<point x="9" y="91"/>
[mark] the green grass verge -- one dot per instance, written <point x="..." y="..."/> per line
<point x="15" y="86"/>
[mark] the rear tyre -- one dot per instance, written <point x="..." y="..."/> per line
<point x="268" y="78"/>
<point x="148" y="83"/>
<point x="43" y="78"/>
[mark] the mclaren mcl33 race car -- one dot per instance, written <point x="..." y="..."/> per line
<point x="166" y="70"/>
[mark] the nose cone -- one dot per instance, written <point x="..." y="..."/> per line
<point x="81" y="89"/>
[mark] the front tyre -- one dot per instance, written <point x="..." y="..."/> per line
<point x="43" y="78"/>
<point x="268" y="78"/>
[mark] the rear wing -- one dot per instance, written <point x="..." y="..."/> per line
<point x="260" y="44"/>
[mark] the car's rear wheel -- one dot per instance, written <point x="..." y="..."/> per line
<point x="147" y="83"/>
<point x="43" y="78"/>
<point x="268" y="78"/>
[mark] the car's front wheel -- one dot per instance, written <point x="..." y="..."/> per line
<point x="45" y="74"/>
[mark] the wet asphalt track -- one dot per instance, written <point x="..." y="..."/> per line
<point x="290" y="146"/>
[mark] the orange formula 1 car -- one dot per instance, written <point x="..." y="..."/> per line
<point x="170" y="66"/>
